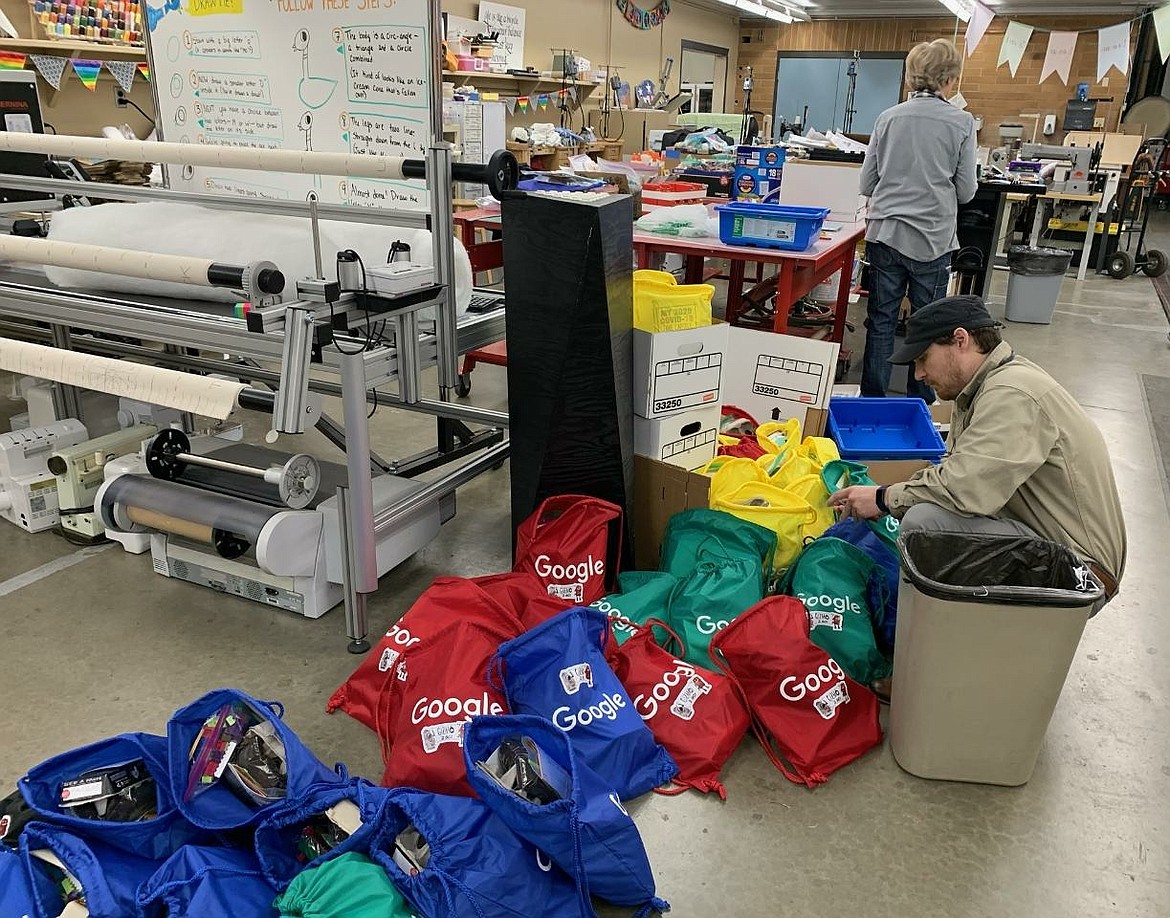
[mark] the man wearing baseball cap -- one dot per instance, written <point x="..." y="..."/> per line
<point x="1022" y="456"/>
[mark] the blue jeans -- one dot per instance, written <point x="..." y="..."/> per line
<point x="892" y="277"/>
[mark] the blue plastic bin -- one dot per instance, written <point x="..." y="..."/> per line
<point x="883" y="428"/>
<point x="771" y="226"/>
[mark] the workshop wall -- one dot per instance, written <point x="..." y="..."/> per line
<point x="597" y="30"/>
<point x="991" y="92"/>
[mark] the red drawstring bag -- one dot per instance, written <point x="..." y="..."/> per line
<point x="514" y="590"/>
<point x="801" y="699"/>
<point x="573" y="544"/>
<point x="699" y="716"/>
<point x="448" y="599"/>
<point x="433" y="690"/>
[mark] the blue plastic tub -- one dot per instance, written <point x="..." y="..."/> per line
<point x="772" y="226"/>
<point x="883" y="428"/>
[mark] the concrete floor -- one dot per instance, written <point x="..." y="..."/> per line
<point x="105" y="645"/>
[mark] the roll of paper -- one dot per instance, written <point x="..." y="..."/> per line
<point x="358" y="165"/>
<point x="179" y="269"/>
<point x="203" y="395"/>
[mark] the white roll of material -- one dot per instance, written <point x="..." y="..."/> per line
<point x="230" y="238"/>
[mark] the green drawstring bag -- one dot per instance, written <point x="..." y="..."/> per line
<point x="641" y="596"/>
<point x="700" y="535"/>
<point x="841" y="473"/>
<point x="348" y="886"/>
<point x="710" y="598"/>
<point x="834" y="580"/>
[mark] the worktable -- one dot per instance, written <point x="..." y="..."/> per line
<point x="485" y="256"/>
<point x="797" y="272"/>
<point x="1067" y="197"/>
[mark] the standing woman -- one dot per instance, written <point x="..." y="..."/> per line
<point x="919" y="168"/>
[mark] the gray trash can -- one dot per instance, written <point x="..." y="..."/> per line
<point x="987" y="629"/>
<point x="1034" y="283"/>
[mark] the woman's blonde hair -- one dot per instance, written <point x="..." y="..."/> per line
<point x="931" y="63"/>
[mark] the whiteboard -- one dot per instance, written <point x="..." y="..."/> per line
<point x="335" y="76"/>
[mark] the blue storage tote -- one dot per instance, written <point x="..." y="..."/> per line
<point x="883" y="428"/>
<point x="772" y="226"/>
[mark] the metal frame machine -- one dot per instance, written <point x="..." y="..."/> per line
<point x="294" y="530"/>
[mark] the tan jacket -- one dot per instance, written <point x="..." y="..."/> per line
<point x="1021" y="448"/>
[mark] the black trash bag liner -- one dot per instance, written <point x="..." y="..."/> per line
<point x="1013" y="570"/>
<point x="1029" y="262"/>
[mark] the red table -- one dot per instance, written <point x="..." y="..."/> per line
<point x="485" y="256"/>
<point x="797" y="272"/>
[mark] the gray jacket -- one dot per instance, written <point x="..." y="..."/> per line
<point x="919" y="168"/>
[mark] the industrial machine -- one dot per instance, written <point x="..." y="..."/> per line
<point x="1069" y="167"/>
<point x="79" y="471"/>
<point x="28" y="490"/>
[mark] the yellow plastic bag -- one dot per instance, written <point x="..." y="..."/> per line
<point x="783" y="512"/>
<point x="665" y="305"/>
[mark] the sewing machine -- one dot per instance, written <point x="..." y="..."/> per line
<point x="79" y="472"/>
<point x="28" y="490"/>
<point x="1070" y="173"/>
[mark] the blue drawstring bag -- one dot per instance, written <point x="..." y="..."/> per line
<point x="201" y="882"/>
<point x="587" y="832"/>
<point x="883" y="590"/>
<point x="155" y="838"/>
<point x="211" y="803"/>
<point x="477" y="867"/>
<point x="278" y="834"/>
<point x="108" y="877"/>
<point x="21" y="885"/>
<point x="558" y="671"/>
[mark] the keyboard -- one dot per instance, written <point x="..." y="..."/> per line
<point x="481" y="302"/>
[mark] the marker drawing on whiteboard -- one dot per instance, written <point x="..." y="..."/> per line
<point x="313" y="91"/>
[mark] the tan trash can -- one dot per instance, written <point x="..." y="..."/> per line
<point x="987" y="629"/>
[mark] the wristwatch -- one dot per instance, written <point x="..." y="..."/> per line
<point x="880" y="497"/>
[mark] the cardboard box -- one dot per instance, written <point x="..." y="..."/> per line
<point x="687" y="439"/>
<point x="892" y="471"/>
<point x="661" y="491"/>
<point x="809" y="183"/>
<point x="776" y="377"/>
<point x="814" y="423"/>
<point x="678" y="370"/>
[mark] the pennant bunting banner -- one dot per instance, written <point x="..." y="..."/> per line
<point x="523" y="103"/>
<point x="573" y="93"/>
<point x="87" y="72"/>
<point x="510" y="101"/>
<point x="11" y="60"/>
<point x="1162" y="28"/>
<point x="1058" y="60"/>
<point x="981" y="18"/>
<point x="144" y="69"/>
<point x="542" y="100"/>
<point x="51" y="69"/>
<point x="643" y="19"/>
<point x="124" y="72"/>
<point x="1113" y="49"/>
<point x="1015" y="42"/>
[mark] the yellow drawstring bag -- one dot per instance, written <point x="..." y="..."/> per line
<point x="728" y="473"/>
<point x="781" y="511"/>
<point x="777" y="437"/>
<point x="812" y="489"/>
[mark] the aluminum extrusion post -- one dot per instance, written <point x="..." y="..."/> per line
<point x="362" y="554"/>
<point x="291" y="406"/>
<point x="406" y="348"/>
<point x="357" y="626"/>
<point x="65" y="401"/>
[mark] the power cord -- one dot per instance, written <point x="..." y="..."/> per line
<point x="365" y="291"/>
<point x="121" y="100"/>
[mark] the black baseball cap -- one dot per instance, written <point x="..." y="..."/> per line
<point x="940" y="319"/>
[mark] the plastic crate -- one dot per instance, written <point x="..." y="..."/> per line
<point x="671" y="194"/>
<point x="771" y="226"/>
<point x="883" y="428"/>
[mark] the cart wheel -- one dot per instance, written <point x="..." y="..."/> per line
<point x="1120" y="265"/>
<point x="1155" y="265"/>
<point x="463" y="385"/>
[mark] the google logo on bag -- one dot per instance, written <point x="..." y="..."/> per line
<point x="795" y="689"/>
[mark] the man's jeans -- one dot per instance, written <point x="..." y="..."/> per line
<point x="892" y="277"/>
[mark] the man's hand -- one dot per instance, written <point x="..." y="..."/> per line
<point x="859" y="501"/>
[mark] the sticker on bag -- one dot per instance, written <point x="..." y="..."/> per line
<point x="573" y="677"/>
<point x="828" y="703"/>
<point x="435" y="735"/>
<point x="684" y="705"/>
<point x="822" y="619"/>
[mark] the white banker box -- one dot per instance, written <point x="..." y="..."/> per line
<point x="678" y="370"/>
<point x="687" y="439"/>
<point x="776" y="377"/>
